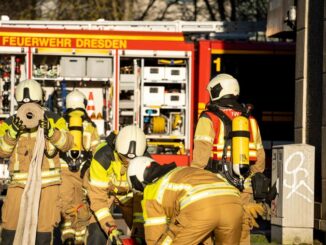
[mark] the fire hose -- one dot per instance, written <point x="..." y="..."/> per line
<point x="29" y="206"/>
<point x="30" y="114"/>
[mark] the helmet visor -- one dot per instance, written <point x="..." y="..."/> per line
<point x="216" y="91"/>
<point x="131" y="153"/>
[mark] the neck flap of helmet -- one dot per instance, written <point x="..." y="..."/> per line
<point x="226" y="102"/>
<point x="156" y="171"/>
<point x="136" y="184"/>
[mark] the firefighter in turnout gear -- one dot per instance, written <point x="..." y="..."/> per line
<point x="214" y="137"/>
<point x="17" y="142"/>
<point x="75" y="212"/>
<point x="183" y="205"/>
<point x="108" y="185"/>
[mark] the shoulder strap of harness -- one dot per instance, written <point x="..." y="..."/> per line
<point x="227" y="122"/>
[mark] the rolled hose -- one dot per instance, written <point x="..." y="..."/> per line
<point x="30" y="114"/>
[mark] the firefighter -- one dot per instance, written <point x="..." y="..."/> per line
<point x="108" y="185"/>
<point x="74" y="163"/>
<point x="212" y="137"/>
<point x="17" y="143"/>
<point x="183" y="205"/>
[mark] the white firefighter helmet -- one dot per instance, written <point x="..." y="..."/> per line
<point x="131" y="142"/>
<point x="29" y="91"/>
<point x="223" y="85"/>
<point x="76" y="99"/>
<point x="136" y="172"/>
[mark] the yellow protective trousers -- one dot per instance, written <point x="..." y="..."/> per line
<point x="49" y="209"/>
<point x="75" y="212"/>
<point x="196" y="222"/>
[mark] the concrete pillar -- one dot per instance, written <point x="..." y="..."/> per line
<point x="323" y="126"/>
<point x="310" y="101"/>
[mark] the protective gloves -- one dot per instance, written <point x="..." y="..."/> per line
<point x="48" y="127"/>
<point x="252" y="210"/>
<point x="114" y="234"/>
<point x="16" y="127"/>
<point x="267" y="211"/>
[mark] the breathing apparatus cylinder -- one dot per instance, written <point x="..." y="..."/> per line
<point x="76" y="129"/>
<point x="240" y="146"/>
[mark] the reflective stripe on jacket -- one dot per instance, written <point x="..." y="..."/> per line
<point x="107" y="173"/>
<point x="178" y="190"/>
<point x="219" y="141"/>
<point x="20" y="151"/>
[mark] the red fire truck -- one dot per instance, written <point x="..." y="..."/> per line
<point x="147" y="73"/>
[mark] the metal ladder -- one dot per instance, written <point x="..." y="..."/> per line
<point x="146" y="26"/>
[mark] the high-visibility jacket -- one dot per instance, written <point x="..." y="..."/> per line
<point x="219" y="140"/>
<point x="177" y="191"/>
<point x="210" y="134"/>
<point x="20" y="151"/>
<point x="107" y="174"/>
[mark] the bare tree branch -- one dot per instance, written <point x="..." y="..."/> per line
<point x="151" y="3"/>
<point x="167" y="8"/>
<point x="221" y="9"/>
<point x="210" y="10"/>
<point x="247" y="10"/>
<point x="195" y="10"/>
<point x="233" y="10"/>
<point x="115" y="12"/>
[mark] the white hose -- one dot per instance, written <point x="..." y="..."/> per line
<point x="30" y="201"/>
<point x="30" y="114"/>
